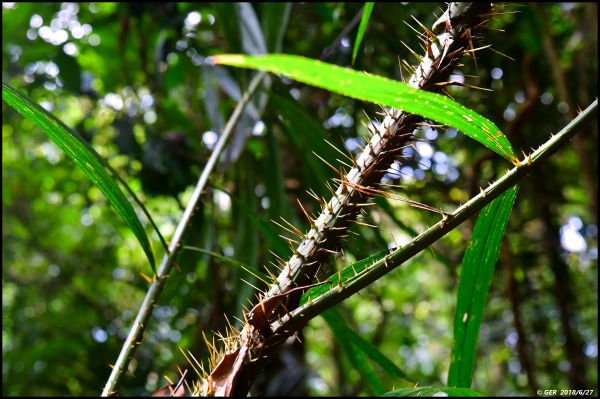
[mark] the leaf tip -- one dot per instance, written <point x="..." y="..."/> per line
<point x="227" y="59"/>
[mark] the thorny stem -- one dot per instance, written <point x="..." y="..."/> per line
<point x="137" y="330"/>
<point x="301" y="315"/>
<point x="393" y="133"/>
<point x="235" y="371"/>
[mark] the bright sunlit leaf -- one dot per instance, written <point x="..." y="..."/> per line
<point x="379" y="90"/>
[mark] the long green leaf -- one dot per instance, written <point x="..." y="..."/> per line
<point x="306" y="136"/>
<point x="344" y="332"/>
<point x="274" y="19"/>
<point x="277" y="244"/>
<point x="475" y="278"/>
<point x="230" y="261"/>
<point x="272" y="170"/>
<point x="246" y="241"/>
<point x="433" y="391"/>
<point x="346" y="274"/>
<point x="379" y="90"/>
<point x="364" y="21"/>
<point x="356" y="356"/>
<point x="84" y="156"/>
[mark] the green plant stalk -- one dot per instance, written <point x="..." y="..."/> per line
<point x="300" y="316"/>
<point x="137" y="330"/>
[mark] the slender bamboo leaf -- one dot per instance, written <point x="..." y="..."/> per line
<point x="211" y="100"/>
<point x="433" y="391"/>
<point x="379" y="90"/>
<point x="230" y="261"/>
<point x="273" y="171"/>
<point x="366" y="370"/>
<point x="475" y="278"/>
<point x="355" y="354"/>
<point x="307" y="136"/>
<point x="364" y="21"/>
<point x="229" y="24"/>
<point x="253" y="40"/>
<point x="267" y="228"/>
<point x="346" y="274"/>
<point x="84" y="156"/>
<point x="274" y="20"/>
<point x="201" y="236"/>
<point x="345" y="333"/>
<point x="246" y="241"/>
<point x="232" y="88"/>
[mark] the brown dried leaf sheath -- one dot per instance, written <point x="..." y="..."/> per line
<point x="222" y="380"/>
<point x="235" y="373"/>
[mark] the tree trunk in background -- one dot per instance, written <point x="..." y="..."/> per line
<point x="581" y="142"/>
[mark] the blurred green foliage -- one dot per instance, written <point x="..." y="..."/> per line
<point x="131" y="79"/>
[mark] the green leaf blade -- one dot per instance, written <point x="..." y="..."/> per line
<point x="475" y="279"/>
<point x="379" y="90"/>
<point x="345" y="333"/>
<point x="364" y="21"/>
<point x="346" y="274"/>
<point x="84" y="156"/>
<point x="356" y="356"/>
<point x="274" y="20"/>
<point x="306" y="136"/>
<point x="230" y="261"/>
